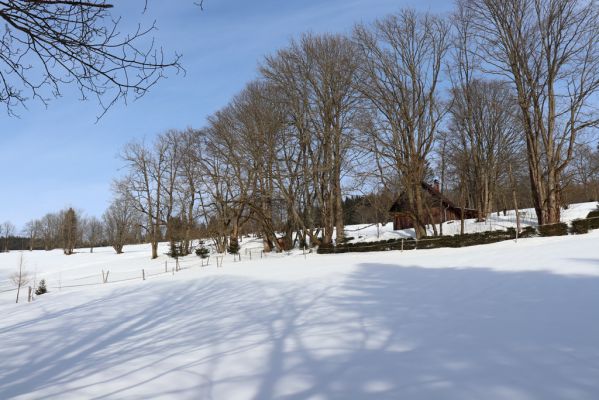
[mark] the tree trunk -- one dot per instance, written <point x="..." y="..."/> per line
<point x="154" y="244"/>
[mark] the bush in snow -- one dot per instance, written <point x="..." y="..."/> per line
<point x="528" y="231"/>
<point x="580" y="226"/>
<point x="560" y="229"/>
<point x="594" y="219"/>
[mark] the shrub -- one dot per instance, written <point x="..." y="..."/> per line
<point x="559" y="229"/>
<point x="580" y="226"/>
<point x="202" y="252"/>
<point x="527" y="232"/>
<point x="594" y="219"/>
<point x="41" y="288"/>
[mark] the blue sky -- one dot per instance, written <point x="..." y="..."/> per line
<point x="59" y="156"/>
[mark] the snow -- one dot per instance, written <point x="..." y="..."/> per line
<point x="495" y="221"/>
<point x="502" y="321"/>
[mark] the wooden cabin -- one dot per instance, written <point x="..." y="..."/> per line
<point x="441" y="208"/>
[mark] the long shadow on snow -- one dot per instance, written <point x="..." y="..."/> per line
<point x="464" y="334"/>
<point x="385" y="332"/>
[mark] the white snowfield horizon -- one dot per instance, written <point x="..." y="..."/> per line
<point x="510" y="320"/>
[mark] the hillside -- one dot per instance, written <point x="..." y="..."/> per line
<point x="502" y="321"/>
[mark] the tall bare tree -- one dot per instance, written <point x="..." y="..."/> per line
<point x="33" y="230"/>
<point x="484" y="129"/>
<point x="322" y="70"/>
<point x="549" y="51"/>
<point x="190" y="182"/>
<point x="69" y="231"/>
<point x="118" y="223"/>
<point x="401" y="63"/>
<point x="94" y="231"/>
<point x="143" y="185"/>
<point x="7" y="230"/>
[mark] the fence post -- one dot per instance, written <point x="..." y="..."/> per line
<point x="166" y="266"/>
<point x="143" y="274"/>
<point x="30" y="296"/>
<point x="250" y="254"/>
<point x="402" y="244"/>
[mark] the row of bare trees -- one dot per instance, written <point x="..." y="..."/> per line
<point x="67" y="230"/>
<point x="493" y="99"/>
<point x="499" y="98"/>
<point x="55" y="230"/>
<point x="7" y="230"/>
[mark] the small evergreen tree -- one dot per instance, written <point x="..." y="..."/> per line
<point x="41" y="289"/>
<point x="233" y="247"/>
<point x="202" y="252"/>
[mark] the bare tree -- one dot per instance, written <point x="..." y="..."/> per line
<point x="69" y="231"/>
<point x="168" y="147"/>
<point x="322" y="72"/>
<point x="190" y="182"/>
<point x="46" y="45"/>
<point x="32" y="231"/>
<point x="226" y="169"/>
<point x="51" y="225"/>
<point x="549" y="51"/>
<point x="296" y="175"/>
<point x="401" y="63"/>
<point x="143" y="185"/>
<point x="20" y="278"/>
<point x="584" y="171"/>
<point x="118" y="223"/>
<point x="7" y="229"/>
<point x="93" y="232"/>
<point x="484" y="129"/>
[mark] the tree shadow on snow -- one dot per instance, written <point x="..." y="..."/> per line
<point x="384" y="332"/>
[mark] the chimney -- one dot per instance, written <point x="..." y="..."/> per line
<point x="436" y="185"/>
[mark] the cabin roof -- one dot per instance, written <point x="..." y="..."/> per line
<point x="435" y="198"/>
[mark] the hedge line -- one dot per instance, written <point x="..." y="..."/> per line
<point x="580" y="226"/>
<point x="470" y="239"/>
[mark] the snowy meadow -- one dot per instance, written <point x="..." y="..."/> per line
<point x="511" y="320"/>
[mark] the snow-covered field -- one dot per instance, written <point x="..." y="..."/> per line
<point x="502" y="321"/>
